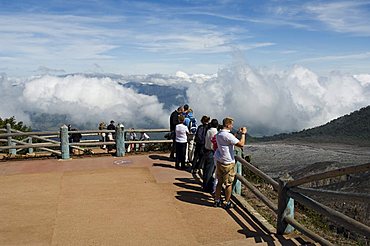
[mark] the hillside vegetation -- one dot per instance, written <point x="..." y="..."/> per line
<point x="353" y="128"/>
<point x="14" y="124"/>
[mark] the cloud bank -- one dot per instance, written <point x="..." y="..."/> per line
<point x="84" y="100"/>
<point x="265" y="100"/>
<point x="271" y="102"/>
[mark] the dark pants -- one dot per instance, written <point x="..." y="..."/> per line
<point x="208" y="169"/>
<point x="173" y="147"/>
<point x="180" y="154"/>
<point x="198" y="157"/>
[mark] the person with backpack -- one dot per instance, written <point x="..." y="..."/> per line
<point x="209" y="166"/>
<point x="224" y="155"/>
<point x="191" y="124"/>
<point x="199" y="144"/>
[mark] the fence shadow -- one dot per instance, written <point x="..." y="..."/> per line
<point x="160" y="157"/>
<point x="197" y="198"/>
<point x="163" y="165"/>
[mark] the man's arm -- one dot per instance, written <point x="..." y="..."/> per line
<point x="241" y="143"/>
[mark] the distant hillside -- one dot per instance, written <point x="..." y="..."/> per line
<point x="167" y="95"/>
<point x="349" y="129"/>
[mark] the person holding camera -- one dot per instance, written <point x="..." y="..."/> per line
<point x="224" y="155"/>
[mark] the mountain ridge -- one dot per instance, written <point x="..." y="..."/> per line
<point x="353" y="128"/>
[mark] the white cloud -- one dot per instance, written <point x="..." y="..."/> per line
<point x="85" y="101"/>
<point x="363" y="78"/>
<point x="343" y="16"/>
<point x="267" y="101"/>
<point x="359" y="56"/>
<point x="270" y="102"/>
<point x="47" y="70"/>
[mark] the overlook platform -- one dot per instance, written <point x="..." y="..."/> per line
<point x="133" y="200"/>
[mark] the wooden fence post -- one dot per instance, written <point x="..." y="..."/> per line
<point x="285" y="207"/>
<point x="64" y="142"/>
<point x="30" y="150"/>
<point x="10" y="143"/>
<point x="237" y="188"/>
<point x="120" y="140"/>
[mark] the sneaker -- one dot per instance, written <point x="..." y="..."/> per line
<point x="217" y="204"/>
<point x="229" y="205"/>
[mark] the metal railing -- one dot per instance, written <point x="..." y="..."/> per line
<point x="58" y="142"/>
<point x="287" y="190"/>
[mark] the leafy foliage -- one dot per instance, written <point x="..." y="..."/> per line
<point x="14" y="124"/>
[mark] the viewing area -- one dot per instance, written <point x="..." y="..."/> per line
<point x="141" y="199"/>
<point x="131" y="200"/>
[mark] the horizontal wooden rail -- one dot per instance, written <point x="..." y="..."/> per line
<point x="148" y="141"/>
<point x="49" y="136"/>
<point x="330" y="174"/>
<point x="42" y="148"/>
<point x="44" y="138"/>
<point x="26" y="146"/>
<point x="126" y="130"/>
<point x="92" y="143"/>
<point x="307" y="232"/>
<point x="126" y="142"/>
<point x="296" y="194"/>
<point x="258" y="172"/>
<point x="256" y="192"/>
<point x="27" y="134"/>
<point x="339" y="194"/>
<point x="146" y="130"/>
<point x="91" y="131"/>
<point x="20" y="134"/>
<point x="89" y="141"/>
<point x="337" y="217"/>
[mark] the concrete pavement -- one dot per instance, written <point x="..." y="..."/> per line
<point x="133" y="200"/>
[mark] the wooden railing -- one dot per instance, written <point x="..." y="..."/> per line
<point x="58" y="142"/>
<point x="287" y="190"/>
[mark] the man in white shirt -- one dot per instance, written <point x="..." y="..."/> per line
<point x="224" y="155"/>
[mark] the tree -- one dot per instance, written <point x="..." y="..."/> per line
<point x="14" y="124"/>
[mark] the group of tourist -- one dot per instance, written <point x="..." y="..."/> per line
<point x="110" y="137"/>
<point x="107" y="137"/>
<point x="213" y="151"/>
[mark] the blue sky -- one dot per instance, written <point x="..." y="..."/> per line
<point x="141" y="37"/>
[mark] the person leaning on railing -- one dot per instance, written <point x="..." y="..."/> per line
<point x="224" y="155"/>
<point x="102" y="126"/>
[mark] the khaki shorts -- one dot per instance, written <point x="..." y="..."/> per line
<point x="225" y="173"/>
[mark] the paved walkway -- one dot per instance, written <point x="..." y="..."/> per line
<point x="134" y="200"/>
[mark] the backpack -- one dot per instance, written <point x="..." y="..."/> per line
<point x="192" y="125"/>
<point x="214" y="142"/>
